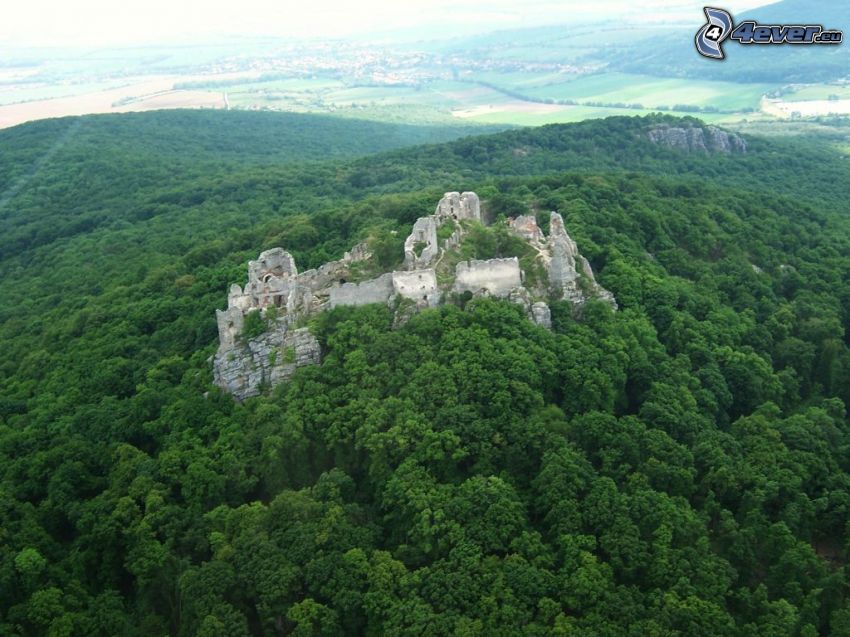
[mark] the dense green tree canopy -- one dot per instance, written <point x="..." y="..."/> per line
<point x="678" y="467"/>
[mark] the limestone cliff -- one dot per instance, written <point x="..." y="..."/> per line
<point x="243" y="369"/>
<point x="698" y="139"/>
<point x="570" y="274"/>
<point x="277" y="297"/>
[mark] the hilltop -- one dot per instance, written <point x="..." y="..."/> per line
<point x="450" y="256"/>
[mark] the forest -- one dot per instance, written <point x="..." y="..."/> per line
<point x="678" y="467"/>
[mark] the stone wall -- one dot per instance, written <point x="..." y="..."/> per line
<point x="496" y="277"/>
<point x="378" y="290"/>
<point x="421" y="247"/>
<point x="459" y="206"/>
<point x="238" y="299"/>
<point x="328" y="274"/>
<point x="230" y="324"/>
<point x="525" y="226"/>
<point x="270" y="278"/>
<point x="417" y="285"/>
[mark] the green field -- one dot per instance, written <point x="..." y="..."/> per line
<point x="16" y="93"/>
<point x="474" y="102"/>
<point x="653" y="92"/>
<point x="564" y="114"/>
<point x="524" y="98"/>
<point x="567" y="114"/>
<point x="520" y="80"/>
<point x="431" y="102"/>
<point x="515" y="97"/>
<point x="388" y="95"/>
<point x="288" y="85"/>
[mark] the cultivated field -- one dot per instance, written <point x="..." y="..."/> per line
<point x="651" y="92"/>
<point x="21" y="103"/>
<point x="510" y="97"/>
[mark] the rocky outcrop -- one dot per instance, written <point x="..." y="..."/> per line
<point x="281" y="297"/>
<point x="244" y="368"/>
<point x="459" y="206"/>
<point x="570" y="274"/>
<point x="570" y="277"/>
<point x="563" y="274"/>
<point x="421" y="247"/>
<point x="525" y="226"/>
<point x="541" y="314"/>
<point x="538" y="311"/>
<point x="698" y="139"/>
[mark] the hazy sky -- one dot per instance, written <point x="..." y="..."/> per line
<point x="100" y="22"/>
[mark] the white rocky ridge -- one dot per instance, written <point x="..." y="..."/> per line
<point x="283" y="297"/>
<point x="697" y="139"/>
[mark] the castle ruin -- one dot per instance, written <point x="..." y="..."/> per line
<point x="243" y="366"/>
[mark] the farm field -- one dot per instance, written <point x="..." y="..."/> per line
<point x="20" y="102"/>
<point x="653" y="92"/>
<point x="469" y="100"/>
<point x="518" y="113"/>
<point x="511" y="97"/>
<point x="139" y="94"/>
<point x="433" y="101"/>
<point x="15" y="93"/>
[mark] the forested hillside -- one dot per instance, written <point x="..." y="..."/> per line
<point x="678" y="467"/>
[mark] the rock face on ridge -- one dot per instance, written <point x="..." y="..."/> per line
<point x="422" y="246"/>
<point x="266" y="360"/>
<point x="570" y="274"/>
<point x="277" y="297"/>
<point x="698" y="139"/>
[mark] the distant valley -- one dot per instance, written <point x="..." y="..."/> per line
<point x="519" y="77"/>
